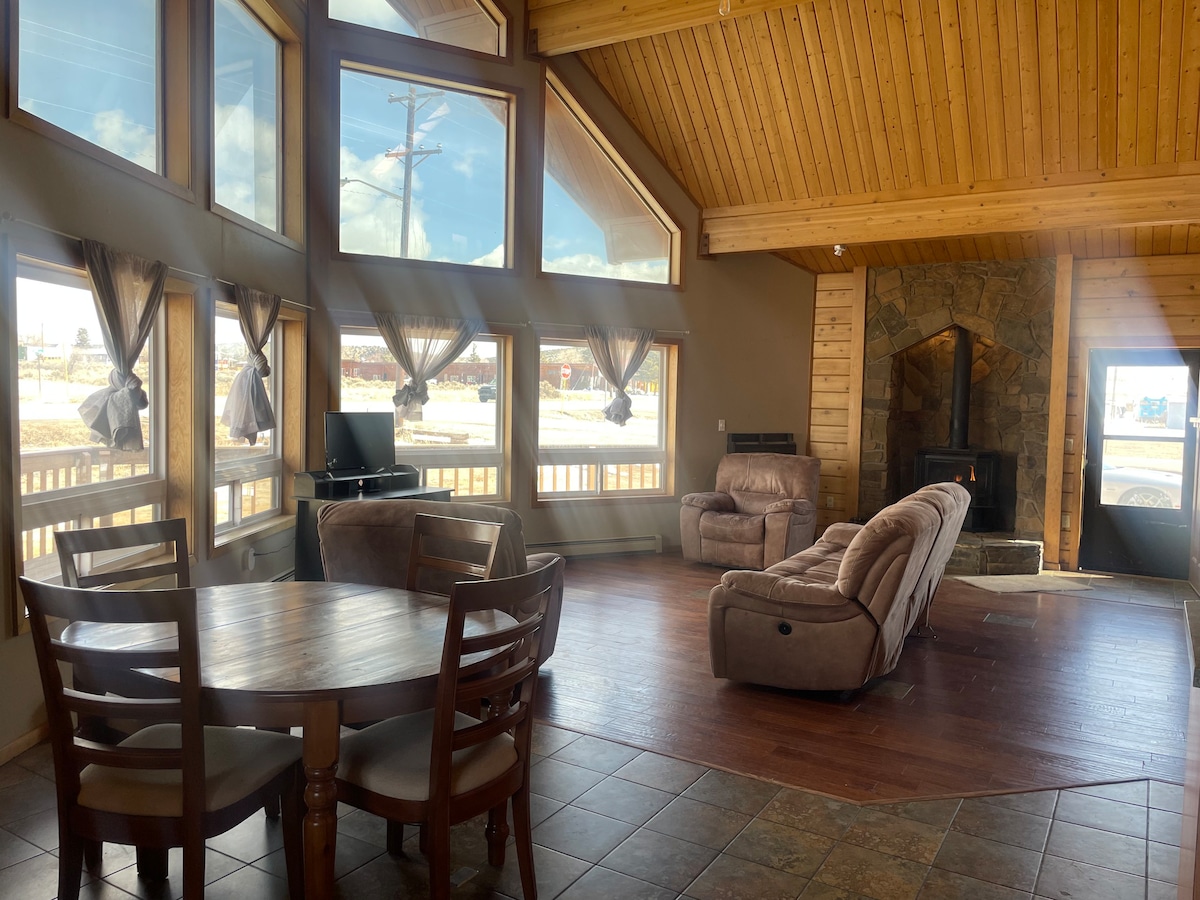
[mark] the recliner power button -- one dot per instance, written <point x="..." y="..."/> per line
<point x="785" y="628"/>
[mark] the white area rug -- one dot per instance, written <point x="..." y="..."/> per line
<point x="1032" y="584"/>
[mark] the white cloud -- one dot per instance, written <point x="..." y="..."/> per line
<point x="241" y="139"/>
<point x="114" y="131"/>
<point x="493" y="258"/>
<point x="589" y="264"/>
<point x="371" y="220"/>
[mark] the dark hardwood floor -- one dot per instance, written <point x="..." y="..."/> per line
<point x="1057" y="690"/>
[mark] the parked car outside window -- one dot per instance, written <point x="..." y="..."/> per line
<point x="487" y="392"/>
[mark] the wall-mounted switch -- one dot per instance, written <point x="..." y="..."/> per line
<point x="1069" y="445"/>
<point x="720" y="424"/>
<point x="829" y="501"/>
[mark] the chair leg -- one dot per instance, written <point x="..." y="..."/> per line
<point x="93" y="855"/>
<point x="395" y="837"/>
<point x="70" y="863"/>
<point x="193" y="866"/>
<point x="497" y="833"/>
<point x="439" y="859"/>
<point x="293" y="837"/>
<point x="152" y="863"/>
<point x="523" y="827"/>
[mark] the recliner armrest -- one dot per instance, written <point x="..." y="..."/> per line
<point x="803" y="508"/>
<point x="840" y="534"/>
<point x="712" y="500"/>
<point x="787" y="597"/>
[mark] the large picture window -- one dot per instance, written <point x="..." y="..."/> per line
<point x="247" y="66"/>
<point x="598" y="219"/>
<point x="582" y="454"/>
<point x="424" y="170"/>
<point x="92" y="69"/>
<point x="68" y="480"/>
<point x="470" y="24"/>
<point x="457" y="440"/>
<point x="246" y="483"/>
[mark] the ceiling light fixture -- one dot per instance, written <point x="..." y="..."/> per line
<point x="839" y="249"/>
<point x="723" y="7"/>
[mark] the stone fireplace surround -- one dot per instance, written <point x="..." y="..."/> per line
<point x="1009" y="307"/>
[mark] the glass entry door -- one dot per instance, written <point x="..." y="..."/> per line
<point x="1139" y="462"/>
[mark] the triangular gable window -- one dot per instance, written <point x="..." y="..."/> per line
<point x="477" y="25"/>
<point x="598" y="219"/>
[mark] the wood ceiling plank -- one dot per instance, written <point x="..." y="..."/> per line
<point x="764" y="102"/>
<point x="904" y="70"/>
<point x="1140" y="202"/>
<point x="709" y="140"/>
<point x="651" y="80"/>
<point x="745" y="91"/>
<point x="939" y="90"/>
<point x="632" y="58"/>
<point x="1049" y="90"/>
<point x="802" y="86"/>
<point x="1089" y="84"/>
<point x="872" y="96"/>
<point x="1107" y="81"/>
<point x="604" y="63"/>
<point x="993" y="86"/>
<point x="725" y="83"/>
<point x="1179" y="239"/>
<point x="1029" y="65"/>
<point x="922" y="72"/>
<point x="1149" y="46"/>
<point x="885" y="78"/>
<point x="1011" y="94"/>
<point x="1187" y="131"/>
<point x="952" y="42"/>
<point x="863" y="133"/>
<point x="725" y="137"/>
<point x="1170" y="53"/>
<point x="681" y="122"/>
<point x="821" y="39"/>
<point x="564" y="26"/>
<point x="1128" y="68"/>
<point x="1068" y="85"/>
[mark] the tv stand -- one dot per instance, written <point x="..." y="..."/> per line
<point x="313" y="490"/>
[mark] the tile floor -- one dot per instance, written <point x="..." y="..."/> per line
<point x="614" y="822"/>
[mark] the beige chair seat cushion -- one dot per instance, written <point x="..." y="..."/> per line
<point x="391" y="758"/>
<point x="734" y="528"/>
<point x="237" y="762"/>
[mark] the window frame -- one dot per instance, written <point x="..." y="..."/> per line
<point x="432" y="457"/>
<point x="603" y="457"/>
<point x="509" y="94"/>
<point x="173" y="104"/>
<point x="552" y="82"/>
<point x="504" y="36"/>
<point x="289" y="136"/>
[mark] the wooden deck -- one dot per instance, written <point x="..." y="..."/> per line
<point x="1056" y="690"/>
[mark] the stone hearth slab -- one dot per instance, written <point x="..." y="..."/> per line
<point x="991" y="553"/>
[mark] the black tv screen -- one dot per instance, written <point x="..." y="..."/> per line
<point x="357" y="441"/>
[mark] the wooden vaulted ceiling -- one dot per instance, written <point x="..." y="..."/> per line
<point x="910" y="130"/>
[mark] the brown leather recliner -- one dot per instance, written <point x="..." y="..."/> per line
<point x="834" y="616"/>
<point x="368" y="541"/>
<point x="763" y="510"/>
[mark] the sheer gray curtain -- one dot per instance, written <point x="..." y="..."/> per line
<point x="424" y="346"/>
<point x="248" y="406"/>
<point x="128" y="291"/>
<point x="619" y="353"/>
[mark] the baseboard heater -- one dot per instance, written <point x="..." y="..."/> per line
<point x="646" y="543"/>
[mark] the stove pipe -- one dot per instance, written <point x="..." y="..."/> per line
<point x="960" y="395"/>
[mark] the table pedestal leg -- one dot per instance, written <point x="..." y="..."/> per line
<point x="321" y="725"/>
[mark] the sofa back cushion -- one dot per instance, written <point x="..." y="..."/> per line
<point x="756" y="480"/>
<point x="367" y="541"/>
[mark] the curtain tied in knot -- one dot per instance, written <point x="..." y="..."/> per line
<point x="619" y="353"/>
<point x="260" y="363"/>
<point x="410" y="393"/>
<point x="620" y="410"/>
<point x="112" y="412"/>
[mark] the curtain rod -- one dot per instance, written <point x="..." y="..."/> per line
<point x="6" y="216"/>
<point x="531" y="324"/>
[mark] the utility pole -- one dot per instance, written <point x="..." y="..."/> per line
<point x="410" y="156"/>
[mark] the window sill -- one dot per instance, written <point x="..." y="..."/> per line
<point x="237" y="538"/>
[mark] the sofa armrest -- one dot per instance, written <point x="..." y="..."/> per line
<point x="714" y="500"/>
<point x="783" y="596"/>
<point x="795" y="507"/>
<point x="840" y="534"/>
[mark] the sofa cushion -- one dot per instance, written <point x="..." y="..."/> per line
<point x="734" y="528"/>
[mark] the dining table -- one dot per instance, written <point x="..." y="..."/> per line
<point x="314" y="655"/>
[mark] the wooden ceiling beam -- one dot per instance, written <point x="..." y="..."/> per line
<point x="1109" y="199"/>
<point x="565" y="26"/>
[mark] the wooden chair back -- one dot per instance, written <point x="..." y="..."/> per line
<point x="171" y="611"/>
<point x="171" y="532"/>
<point x="508" y="684"/>
<point x="446" y="550"/>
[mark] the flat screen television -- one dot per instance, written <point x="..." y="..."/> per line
<point x="359" y="442"/>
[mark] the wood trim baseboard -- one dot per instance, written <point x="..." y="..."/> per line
<point x="23" y="743"/>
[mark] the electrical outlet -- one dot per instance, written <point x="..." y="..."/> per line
<point x="248" y="560"/>
<point x="720" y="424"/>
<point x="1069" y="445"/>
<point x="829" y="501"/>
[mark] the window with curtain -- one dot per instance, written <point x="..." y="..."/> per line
<point x="470" y="24"/>
<point x="580" y="452"/>
<point x="92" y="69"/>
<point x="598" y="219"/>
<point x="458" y="441"/>
<point x="246" y="477"/>
<point x="424" y="170"/>
<point x="68" y="480"/>
<point x="247" y="71"/>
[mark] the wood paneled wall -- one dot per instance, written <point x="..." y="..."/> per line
<point x="835" y="418"/>
<point x="1122" y="302"/>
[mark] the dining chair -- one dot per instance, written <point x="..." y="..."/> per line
<point x="175" y="781"/>
<point x="439" y="767"/>
<point x="171" y="532"/>
<point x="445" y="550"/>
